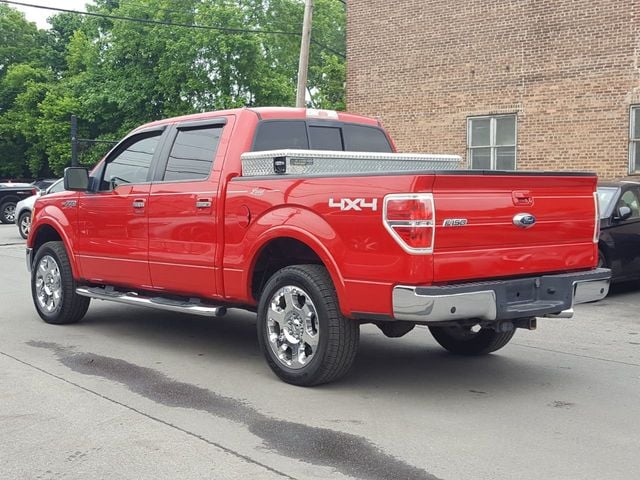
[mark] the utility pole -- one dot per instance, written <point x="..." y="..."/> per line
<point x="303" y="66"/>
<point x="74" y="141"/>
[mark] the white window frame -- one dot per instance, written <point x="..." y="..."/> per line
<point x="492" y="138"/>
<point x="634" y="163"/>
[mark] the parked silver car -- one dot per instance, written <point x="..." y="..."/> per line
<point x="25" y="207"/>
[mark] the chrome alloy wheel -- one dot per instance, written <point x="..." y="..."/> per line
<point x="9" y="213"/>
<point x="25" y="225"/>
<point x="48" y="283"/>
<point x="292" y="327"/>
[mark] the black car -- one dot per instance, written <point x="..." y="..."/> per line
<point x="10" y="195"/>
<point x="619" y="245"/>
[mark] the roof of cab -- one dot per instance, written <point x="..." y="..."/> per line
<point x="270" y="113"/>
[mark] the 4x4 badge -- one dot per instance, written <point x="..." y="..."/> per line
<point x="357" y="204"/>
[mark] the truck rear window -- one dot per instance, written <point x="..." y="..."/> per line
<point x="358" y="138"/>
<point x="281" y="134"/>
<point x="298" y="134"/>
<point x="325" y="138"/>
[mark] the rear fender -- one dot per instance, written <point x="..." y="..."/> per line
<point x="306" y="227"/>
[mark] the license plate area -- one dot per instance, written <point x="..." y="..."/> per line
<point x="524" y="291"/>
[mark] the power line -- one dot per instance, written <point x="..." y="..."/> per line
<point x="174" y="24"/>
<point x="164" y="9"/>
<point x="154" y="22"/>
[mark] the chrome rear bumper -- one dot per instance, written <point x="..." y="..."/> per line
<point x="547" y="295"/>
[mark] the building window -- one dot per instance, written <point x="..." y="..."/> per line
<point x="491" y="142"/>
<point x="634" y="140"/>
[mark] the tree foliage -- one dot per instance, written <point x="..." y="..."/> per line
<point x="115" y="74"/>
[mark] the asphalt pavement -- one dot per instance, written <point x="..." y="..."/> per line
<point x="133" y="393"/>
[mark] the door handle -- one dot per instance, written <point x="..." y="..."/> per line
<point x="203" y="203"/>
<point x="138" y="203"/>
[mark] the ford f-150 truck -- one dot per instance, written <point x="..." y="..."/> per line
<point x="312" y="220"/>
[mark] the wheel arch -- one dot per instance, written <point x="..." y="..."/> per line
<point x="283" y="247"/>
<point x="22" y="211"/>
<point x="47" y="232"/>
<point x="9" y="198"/>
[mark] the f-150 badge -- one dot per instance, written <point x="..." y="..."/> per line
<point x="357" y="204"/>
<point x="454" y="222"/>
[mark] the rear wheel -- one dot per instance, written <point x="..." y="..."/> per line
<point x="602" y="260"/>
<point x="24" y="224"/>
<point x="463" y="340"/>
<point x="8" y="212"/>
<point x="53" y="288"/>
<point x="303" y="335"/>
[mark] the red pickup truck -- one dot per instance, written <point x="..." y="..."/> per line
<point x="279" y="211"/>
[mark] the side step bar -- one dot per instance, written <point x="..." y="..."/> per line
<point x="193" y="306"/>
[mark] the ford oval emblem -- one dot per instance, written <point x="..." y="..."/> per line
<point x="524" y="220"/>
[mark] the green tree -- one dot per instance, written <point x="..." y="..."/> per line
<point x="115" y="74"/>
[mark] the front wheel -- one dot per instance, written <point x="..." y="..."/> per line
<point x="53" y="287"/>
<point x="303" y="335"/>
<point x="24" y="224"/>
<point x="463" y="340"/>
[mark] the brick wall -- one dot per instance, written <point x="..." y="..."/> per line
<point x="568" y="68"/>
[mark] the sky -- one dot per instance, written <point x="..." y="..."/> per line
<point x="40" y="15"/>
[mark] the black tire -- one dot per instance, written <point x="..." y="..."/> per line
<point x="602" y="260"/>
<point x="338" y="337"/>
<point x="24" y="224"/>
<point x="70" y="307"/>
<point x="462" y="341"/>
<point x="8" y="211"/>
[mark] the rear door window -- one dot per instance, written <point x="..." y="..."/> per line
<point x="192" y="154"/>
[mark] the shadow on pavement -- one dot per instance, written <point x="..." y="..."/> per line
<point x="413" y="364"/>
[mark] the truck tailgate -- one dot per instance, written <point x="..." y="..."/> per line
<point x="501" y="225"/>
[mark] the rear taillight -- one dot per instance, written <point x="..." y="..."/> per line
<point x="596" y="228"/>
<point x="410" y="219"/>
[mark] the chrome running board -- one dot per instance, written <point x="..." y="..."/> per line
<point x="193" y="306"/>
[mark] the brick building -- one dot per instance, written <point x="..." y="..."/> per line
<point x="530" y="84"/>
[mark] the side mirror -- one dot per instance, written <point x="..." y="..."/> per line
<point x="622" y="214"/>
<point x="76" y="179"/>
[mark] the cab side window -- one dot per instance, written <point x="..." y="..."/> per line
<point x="192" y="154"/>
<point x="132" y="164"/>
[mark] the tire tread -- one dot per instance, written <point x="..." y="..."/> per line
<point x="343" y="333"/>
<point x="74" y="306"/>
<point x="485" y="342"/>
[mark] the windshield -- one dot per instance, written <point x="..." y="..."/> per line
<point x="605" y="197"/>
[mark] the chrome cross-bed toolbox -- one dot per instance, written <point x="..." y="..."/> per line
<point x="328" y="162"/>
